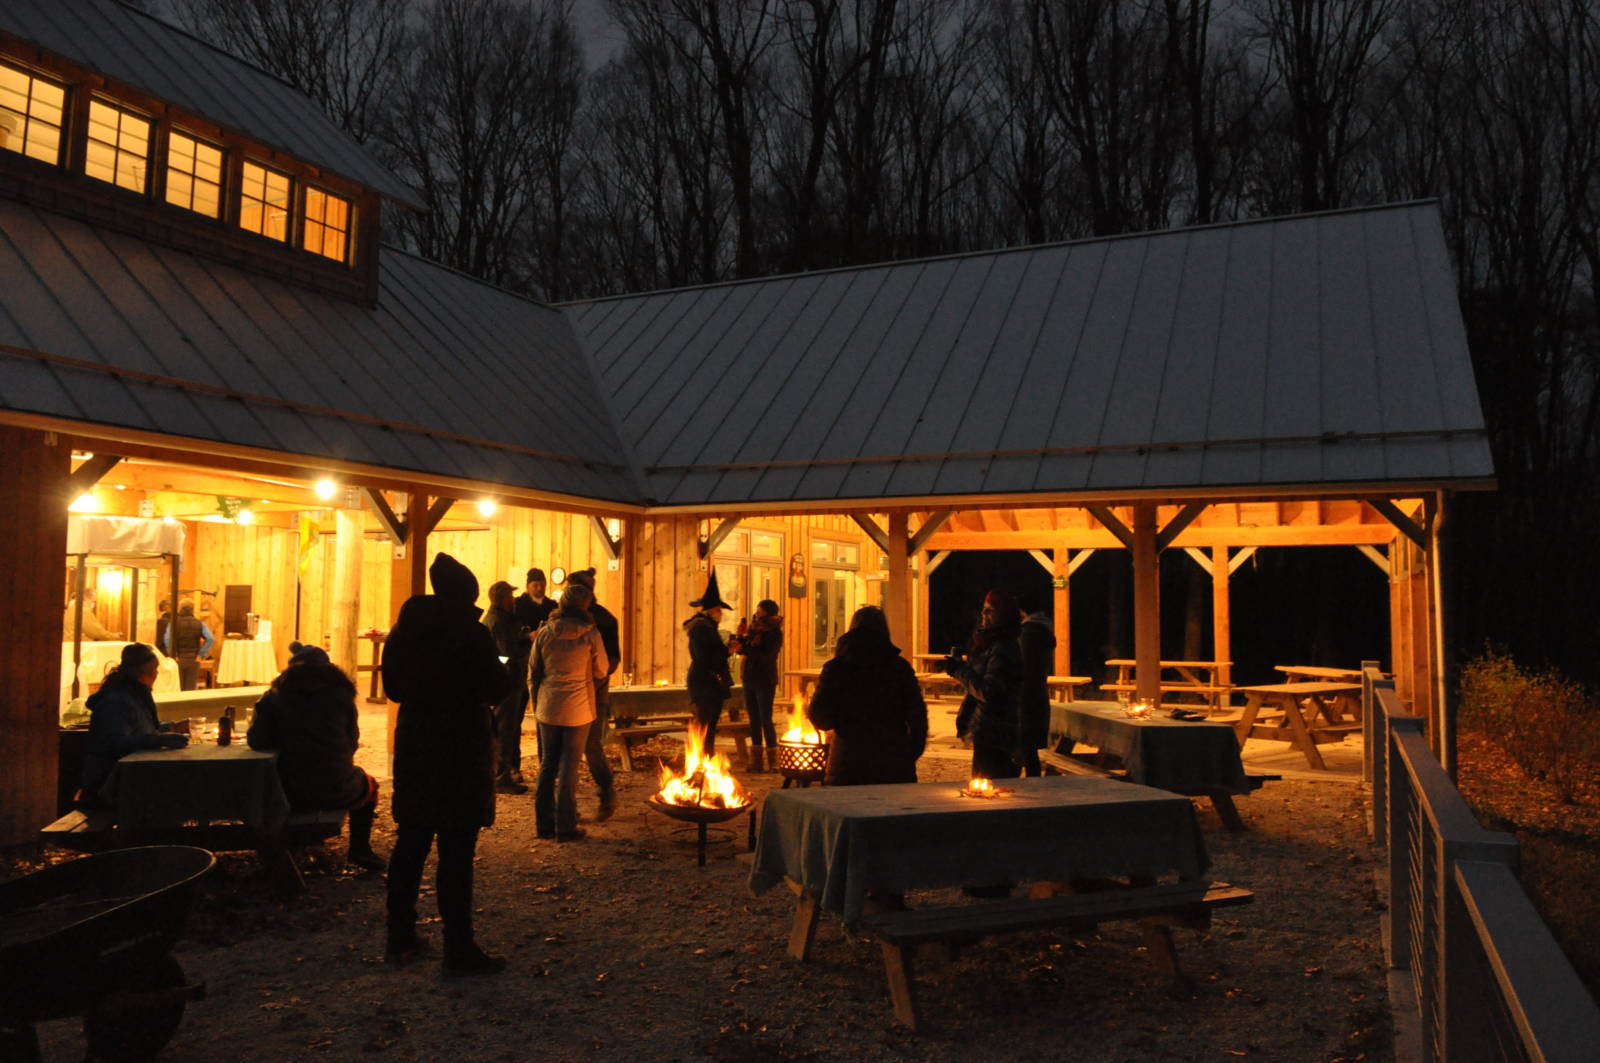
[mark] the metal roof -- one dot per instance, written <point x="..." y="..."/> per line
<point x="148" y="54"/>
<point x="1319" y="349"/>
<point x="446" y="376"/>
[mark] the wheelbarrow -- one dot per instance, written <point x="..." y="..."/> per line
<point x="94" y="937"/>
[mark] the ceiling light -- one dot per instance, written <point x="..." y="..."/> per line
<point x="84" y="503"/>
<point x="486" y="507"/>
<point x="245" y="516"/>
<point x="326" y="489"/>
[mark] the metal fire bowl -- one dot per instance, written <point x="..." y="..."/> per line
<point x="698" y="813"/>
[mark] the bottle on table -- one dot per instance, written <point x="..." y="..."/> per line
<point x="225" y="727"/>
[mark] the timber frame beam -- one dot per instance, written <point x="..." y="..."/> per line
<point x="613" y="547"/>
<point x="400" y="528"/>
<point x="89" y="473"/>
<point x="914" y="541"/>
<point x="708" y="545"/>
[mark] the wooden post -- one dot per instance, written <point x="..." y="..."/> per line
<point x="345" y="619"/>
<point x="1061" y="609"/>
<point x="33" y="554"/>
<point x="897" y="596"/>
<point x="1146" y="604"/>
<point x="1221" y="621"/>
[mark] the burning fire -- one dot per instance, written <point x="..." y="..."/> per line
<point x="706" y="781"/>
<point x="800" y="731"/>
<point x="981" y="787"/>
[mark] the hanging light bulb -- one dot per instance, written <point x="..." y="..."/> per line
<point x="486" y="507"/>
<point x="245" y="516"/>
<point x="326" y="489"/>
<point x="84" y="503"/>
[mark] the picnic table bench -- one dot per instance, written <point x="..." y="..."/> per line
<point x="646" y="728"/>
<point x="1273" y="711"/>
<point x="1158" y="908"/>
<point x="95" y="831"/>
<point x="1203" y="679"/>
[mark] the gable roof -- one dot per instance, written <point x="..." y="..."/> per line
<point x="1322" y="349"/>
<point x="148" y="54"/>
<point x="446" y="375"/>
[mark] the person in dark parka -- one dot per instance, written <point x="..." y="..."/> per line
<point x="513" y="642"/>
<point x="1037" y="644"/>
<point x="309" y="719"/>
<point x="441" y="665"/>
<point x="123" y="720"/>
<point x="760" y="643"/>
<point x="992" y="678"/>
<point x="709" y="680"/>
<point x="869" y="698"/>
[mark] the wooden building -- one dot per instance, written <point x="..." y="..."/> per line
<point x="198" y="322"/>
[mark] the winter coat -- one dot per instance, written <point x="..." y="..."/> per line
<point x="709" y="679"/>
<point x="992" y="678"/>
<point x="869" y="698"/>
<point x="442" y="666"/>
<point x="122" y="720"/>
<point x="568" y="657"/>
<point x="606" y="624"/>
<point x="509" y="638"/>
<point x="1037" y="645"/>
<point x="93" y="629"/>
<point x="309" y="719"/>
<point x="531" y="614"/>
<point x="760" y="647"/>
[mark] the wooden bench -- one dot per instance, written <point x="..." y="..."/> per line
<point x="1212" y="694"/>
<point x="650" y="727"/>
<point x="94" y="831"/>
<point x="1272" y="711"/>
<point x="1157" y="908"/>
<point x="1094" y="765"/>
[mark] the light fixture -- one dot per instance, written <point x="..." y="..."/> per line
<point x="110" y="580"/>
<point x="84" y="503"/>
<point x="326" y="489"/>
<point x="119" y="487"/>
<point x="614" y="527"/>
<point x="486" y="507"/>
<point x="245" y="516"/>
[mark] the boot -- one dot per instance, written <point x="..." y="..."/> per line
<point x="466" y="959"/>
<point x="360" y="852"/>
<point x="607" y="809"/>
<point x="403" y="946"/>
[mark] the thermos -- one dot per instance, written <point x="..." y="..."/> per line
<point x="225" y="727"/>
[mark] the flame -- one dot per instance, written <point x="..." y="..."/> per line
<point x="705" y="781"/>
<point x="801" y="731"/>
<point x="980" y="785"/>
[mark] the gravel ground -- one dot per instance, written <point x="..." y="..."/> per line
<point x="620" y="948"/>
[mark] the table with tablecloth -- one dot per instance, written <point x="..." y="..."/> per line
<point x="844" y="841"/>
<point x="247" y="661"/>
<point x="201" y="782"/>
<point x="1184" y="755"/>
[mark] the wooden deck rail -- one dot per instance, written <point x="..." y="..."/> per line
<point x="1489" y="979"/>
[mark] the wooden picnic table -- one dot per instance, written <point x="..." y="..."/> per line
<point x="1335" y="711"/>
<point x="808" y="679"/>
<point x="1301" y="673"/>
<point x="1201" y="678"/>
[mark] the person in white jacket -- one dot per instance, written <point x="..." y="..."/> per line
<point x="568" y="656"/>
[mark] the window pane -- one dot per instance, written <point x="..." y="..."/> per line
<point x="194" y="175"/>
<point x="264" y="202"/>
<point x="327" y="228"/>
<point x="118" y="149"/>
<point x="766" y="544"/>
<point x="30" y="114"/>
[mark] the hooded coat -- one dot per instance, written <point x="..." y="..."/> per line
<point x="869" y="698"/>
<point x="992" y="678"/>
<point x="1037" y="644"/>
<point x="760" y="647"/>
<point x="709" y="678"/>
<point x="568" y="656"/>
<point x="122" y="720"/>
<point x="443" y="667"/>
<point x="309" y="717"/>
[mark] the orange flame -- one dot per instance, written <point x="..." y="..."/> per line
<point x="801" y="731"/>
<point x="705" y="781"/>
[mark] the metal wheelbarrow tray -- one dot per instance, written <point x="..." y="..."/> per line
<point x="93" y="937"/>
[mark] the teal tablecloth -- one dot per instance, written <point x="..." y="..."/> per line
<point x="1158" y="751"/>
<point x="843" y="841"/>
<point x="170" y="787"/>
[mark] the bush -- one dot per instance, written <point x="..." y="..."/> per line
<point x="1544" y="721"/>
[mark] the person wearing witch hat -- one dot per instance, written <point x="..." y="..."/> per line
<point x="710" y="682"/>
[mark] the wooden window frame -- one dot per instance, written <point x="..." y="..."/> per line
<point x="173" y="130"/>
<point x="117" y="151"/>
<point x="63" y="130"/>
<point x="290" y="226"/>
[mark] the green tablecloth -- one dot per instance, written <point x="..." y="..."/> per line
<point x="1159" y="751"/>
<point x="167" y="788"/>
<point x="843" y="841"/>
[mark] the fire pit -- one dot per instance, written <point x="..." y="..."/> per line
<point x="706" y="792"/>
<point x="802" y="752"/>
<point x="700" y="816"/>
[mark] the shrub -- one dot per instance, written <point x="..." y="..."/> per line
<point x="1543" y="720"/>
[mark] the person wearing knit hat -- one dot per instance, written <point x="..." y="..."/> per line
<point x="991" y="677"/>
<point x="441" y="665"/>
<point x="123" y="720"/>
<point x="594" y="753"/>
<point x="710" y="681"/>
<point x="533" y="608"/>
<point x="513" y="642"/>
<point x="303" y="653"/>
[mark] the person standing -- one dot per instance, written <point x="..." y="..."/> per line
<point x="533" y="608"/>
<point x="441" y="665"/>
<point x="93" y="629"/>
<point x="309" y="719"/>
<point x="991" y="675"/>
<point x="594" y="752"/>
<point x="709" y="680"/>
<point x="163" y="621"/>
<point x="760" y="643"/>
<point x="1037" y="646"/>
<point x="567" y="660"/>
<point x="869" y="698"/>
<point x="187" y="640"/>
<point x="123" y="720"/>
<point x="513" y="643"/>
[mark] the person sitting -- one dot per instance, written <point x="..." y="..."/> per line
<point x="869" y="698"/>
<point x="309" y="719"/>
<point x="123" y="720"/>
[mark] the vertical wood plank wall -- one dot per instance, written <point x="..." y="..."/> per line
<point x="33" y="541"/>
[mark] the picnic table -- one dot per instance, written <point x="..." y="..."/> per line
<point x="1300" y="673"/>
<point x="246" y="661"/>
<point x="1201" y="678"/>
<point x="835" y="844"/>
<point x="809" y="677"/>
<point x="1274" y="711"/>
<point x="1194" y="758"/>
<point x="642" y="712"/>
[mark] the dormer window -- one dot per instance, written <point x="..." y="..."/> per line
<point x="194" y="175"/>
<point x="327" y="225"/>
<point x="30" y="114"/>
<point x="264" y="202"/>
<point x="118" y="148"/>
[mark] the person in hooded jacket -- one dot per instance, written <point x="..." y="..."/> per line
<point x="442" y="666"/>
<point x="759" y="643"/>
<point x="123" y="720"/>
<point x="594" y="753"/>
<point x="710" y="682"/>
<point x="991" y="676"/>
<point x="309" y="719"/>
<point x="1037" y="645"/>
<point x="513" y="642"/>
<point x="568" y="657"/>
<point x="869" y="698"/>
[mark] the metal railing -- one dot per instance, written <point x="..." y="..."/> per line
<point x="1490" y="981"/>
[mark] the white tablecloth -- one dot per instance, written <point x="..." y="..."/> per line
<point x="97" y="658"/>
<point x="247" y="661"/>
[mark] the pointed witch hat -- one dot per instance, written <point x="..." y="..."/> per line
<point x="712" y="598"/>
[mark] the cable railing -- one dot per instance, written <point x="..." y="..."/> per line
<point x="1490" y="982"/>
